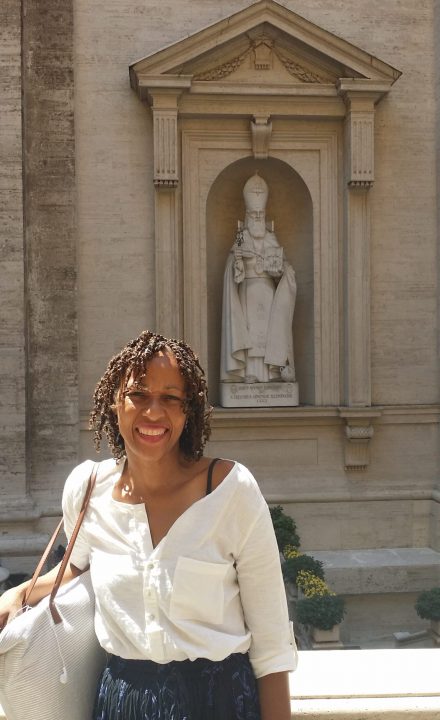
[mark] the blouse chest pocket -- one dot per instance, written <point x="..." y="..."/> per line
<point x="198" y="592"/>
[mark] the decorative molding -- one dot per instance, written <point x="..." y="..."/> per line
<point x="164" y="184"/>
<point x="222" y="71"/>
<point x="359" y="127"/>
<point x="361" y="184"/>
<point x="358" y="435"/>
<point x="165" y="149"/>
<point x="263" y="53"/>
<point x="311" y="416"/>
<point x="261" y="130"/>
<point x="357" y="447"/>
<point x="300" y="72"/>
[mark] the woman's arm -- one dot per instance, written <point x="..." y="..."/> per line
<point x="11" y="601"/>
<point x="274" y="696"/>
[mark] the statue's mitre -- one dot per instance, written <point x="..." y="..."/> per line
<point x="255" y="193"/>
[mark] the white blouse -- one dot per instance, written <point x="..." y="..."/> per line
<point x="211" y="587"/>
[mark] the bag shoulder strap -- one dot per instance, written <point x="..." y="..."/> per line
<point x="86" y="499"/>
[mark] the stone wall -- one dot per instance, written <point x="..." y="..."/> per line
<point x="115" y="200"/>
<point x="78" y="268"/>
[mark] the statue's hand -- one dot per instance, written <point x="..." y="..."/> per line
<point x="275" y="273"/>
<point x="287" y="374"/>
<point x="239" y="273"/>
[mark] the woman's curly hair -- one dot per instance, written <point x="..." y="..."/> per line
<point x="133" y="361"/>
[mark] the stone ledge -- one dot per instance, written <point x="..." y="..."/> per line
<point x="386" y="570"/>
<point x="23" y="545"/>
<point x="303" y="415"/>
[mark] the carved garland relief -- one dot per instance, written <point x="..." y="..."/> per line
<point x="262" y="52"/>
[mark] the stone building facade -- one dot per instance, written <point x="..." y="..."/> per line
<point x="103" y="236"/>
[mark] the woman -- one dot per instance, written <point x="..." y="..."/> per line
<point x="190" y="603"/>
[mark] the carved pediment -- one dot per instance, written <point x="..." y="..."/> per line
<point x="262" y="55"/>
<point x="264" y="45"/>
<point x="263" y="59"/>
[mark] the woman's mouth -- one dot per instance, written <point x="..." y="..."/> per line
<point x="151" y="434"/>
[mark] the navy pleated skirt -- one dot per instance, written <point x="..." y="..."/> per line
<point x="186" y="690"/>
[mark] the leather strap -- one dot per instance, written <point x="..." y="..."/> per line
<point x="54" y="612"/>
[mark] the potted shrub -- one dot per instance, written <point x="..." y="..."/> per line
<point x="285" y="528"/>
<point x="428" y="607"/>
<point x="323" y="614"/>
<point x="301" y="562"/>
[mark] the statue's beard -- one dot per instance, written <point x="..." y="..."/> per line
<point x="257" y="228"/>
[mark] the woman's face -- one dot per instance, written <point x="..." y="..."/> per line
<point x="150" y="410"/>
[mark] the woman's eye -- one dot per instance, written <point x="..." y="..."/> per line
<point x="172" y="399"/>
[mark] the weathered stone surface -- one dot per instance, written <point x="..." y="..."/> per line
<point x="49" y="185"/>
<point x="12" y="308"/>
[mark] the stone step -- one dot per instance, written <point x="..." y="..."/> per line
<point x="386" y="570"/>
<point x="28" y="545"/>
<point x="365" y="685"/>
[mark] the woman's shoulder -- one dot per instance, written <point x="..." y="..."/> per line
<point x="76" y="483"/>
<point x="236" y="475"/>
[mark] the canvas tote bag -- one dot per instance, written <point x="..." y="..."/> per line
<point x="50" y="658"/>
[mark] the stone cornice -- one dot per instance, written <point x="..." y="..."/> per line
<point x="308" y="415"/>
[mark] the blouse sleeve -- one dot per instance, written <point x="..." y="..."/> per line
<point x="264" y="601"/>
<point x="74" y="490"/>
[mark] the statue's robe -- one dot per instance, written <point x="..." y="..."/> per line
<point x="257" y="314"/>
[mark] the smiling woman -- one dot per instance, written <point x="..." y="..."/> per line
<point x="190" y="601"/>
<point x="150" y="409"/>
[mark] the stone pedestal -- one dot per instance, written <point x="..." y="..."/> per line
<point x="435" y="631"/>
<point x="326" y="639"/>
<point x="273" y="394"/>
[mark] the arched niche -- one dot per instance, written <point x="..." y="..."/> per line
<point x="290" y="208"/>
<point x="306" y="165"/>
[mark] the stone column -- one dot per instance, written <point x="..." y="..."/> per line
<point x="357" y="296"/>
<point x="12" y="305"/>
<point x="50" y="241"/>
<point x="168" y="254"/>
<point x="360" y="97"/>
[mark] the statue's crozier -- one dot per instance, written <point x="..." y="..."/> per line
<point x="259" y="292"/>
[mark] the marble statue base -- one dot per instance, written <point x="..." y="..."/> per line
<point x="271" y="394"/>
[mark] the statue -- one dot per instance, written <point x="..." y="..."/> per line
<point x="259" y="292"/>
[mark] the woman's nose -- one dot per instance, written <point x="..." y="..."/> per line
<point x="152" y="405"/>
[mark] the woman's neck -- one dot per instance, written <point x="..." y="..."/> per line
<point x="153" y="477"/>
